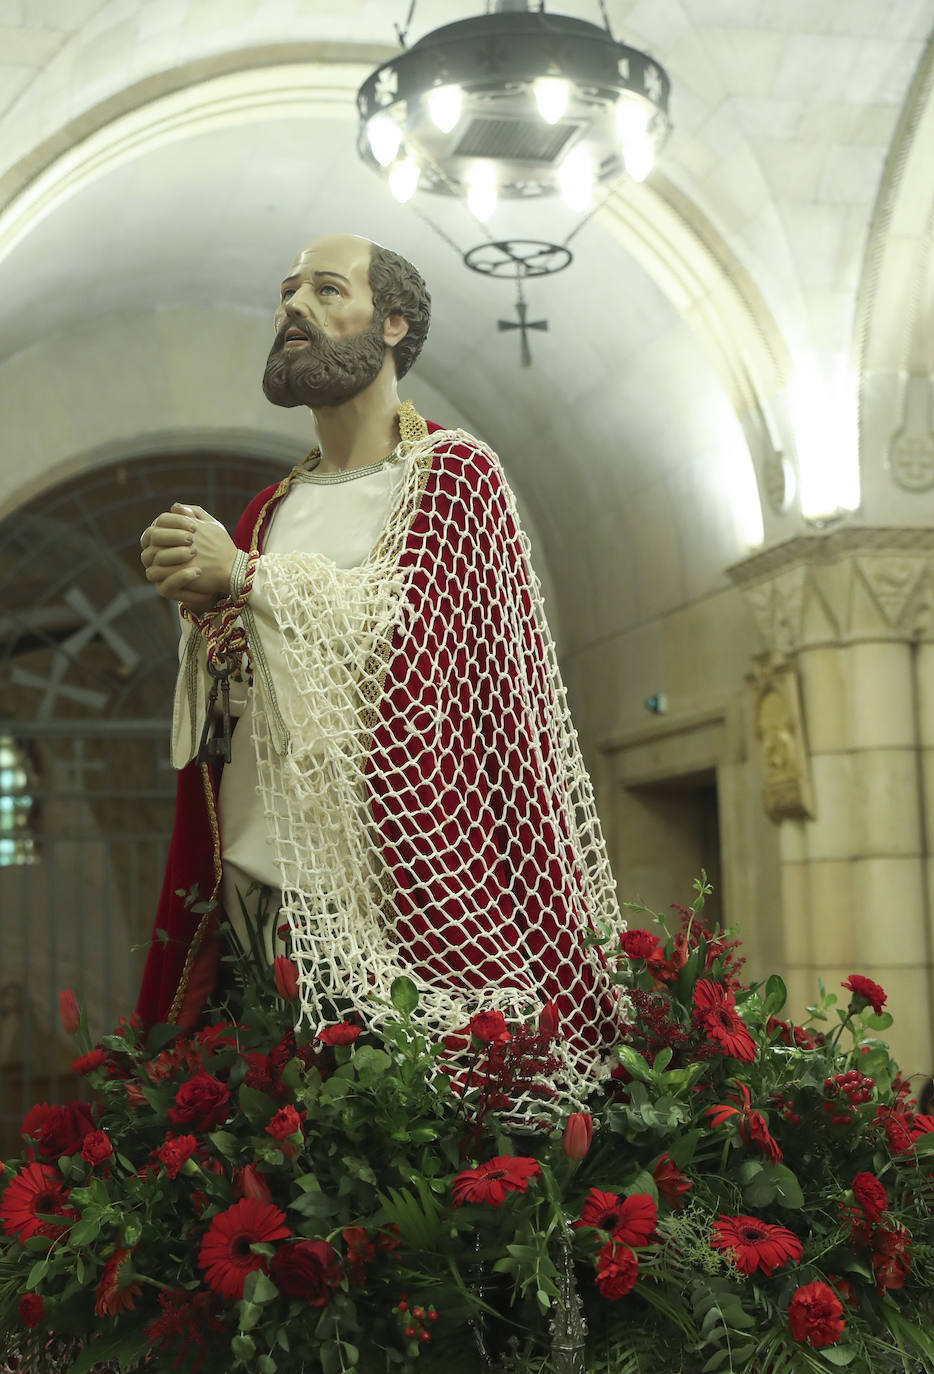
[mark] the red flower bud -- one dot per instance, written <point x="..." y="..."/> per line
<point x="71" y="1016"/>
<point x="578" y="1134"/>
<point x="286" y="978"/>
<point x="548" y="1019"/>
<point x="249" y="1182"/>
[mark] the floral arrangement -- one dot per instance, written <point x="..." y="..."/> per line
<point x="744" y="1194"/>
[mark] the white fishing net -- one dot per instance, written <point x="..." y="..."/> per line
<point x="428" y="803"/>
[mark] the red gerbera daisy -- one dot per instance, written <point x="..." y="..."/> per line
<point x="755" y="1244"/>
<point x="491" y="1182"/>
<point x="225" y="1255"/>
<point x="815" y="1315"/>
<point x="617" y="1270"/>
<point x="118" y="1287"/>
<point x="715" y="1013"/>
<point x="629" y="1220"/>
<point x="35" y="1191"/>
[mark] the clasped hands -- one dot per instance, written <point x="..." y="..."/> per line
<point x="189" y="556"/>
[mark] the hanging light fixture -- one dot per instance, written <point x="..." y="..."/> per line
<point x="513" y="104"/>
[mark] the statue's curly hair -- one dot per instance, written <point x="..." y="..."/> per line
<point x="399" y="289"/>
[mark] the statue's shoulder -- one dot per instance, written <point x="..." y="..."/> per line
<point x="462" y="457"/>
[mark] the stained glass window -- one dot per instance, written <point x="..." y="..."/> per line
<point x="17" y="806"/>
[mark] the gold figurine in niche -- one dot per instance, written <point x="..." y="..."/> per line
<point x="780" y="729"/>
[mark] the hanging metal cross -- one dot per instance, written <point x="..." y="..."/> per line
<point x="524" y="325"/>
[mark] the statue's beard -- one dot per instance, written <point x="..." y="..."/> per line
<point x="325" y="371"/>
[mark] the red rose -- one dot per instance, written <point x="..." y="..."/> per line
<point x="489" y="1026"/>
<point x="871" y="1196"/>
<point x="309" y="1269"/>
<point x="174" y="1151"/>
<point x="617" y="1270"/>
<point x="31" y="1309"/>
<point x="578" y="1133"/>
<point x="249" y="1182"/>
<point x="201" y="1104"/>
<point x="343" y="1033"/>
<point x="670" y="1181"/>
<point x="286" y="1122"/>
<point x="71" y="1016"/>
<point x="286" y="975"/>
<point x="96" y="1147"/>
<point x="87" y="1063"/>
<point x="64" y="1129"/>
<point x="638" y="944"/>
<point x="864" y="991"/>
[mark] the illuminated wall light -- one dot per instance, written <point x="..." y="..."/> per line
<point x="576" y="179"/>
<point x="444" y="106"/>
<point x="639" y="157"/>
<point x="551" y="97"/>
<point x="481" y="192"/>
<point x="385" y="138"/>
<point x="824" y="417"/>
<point x="403" y="179"/>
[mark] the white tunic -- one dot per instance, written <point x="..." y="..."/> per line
<point x="339" y="516"/>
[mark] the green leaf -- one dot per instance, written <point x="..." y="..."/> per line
<point x="776" y="995"/>
<point x="681" y="1150"/>
<point x="258" y="1108"/>
<point x="643" y="1183"/>
<point x="266" y="1365"/>
<point x="244" y="1347"/>
<point x="37" y="1273"/>
<point x="404" y="995"/>
<point x="788" y="1189"/>
<point x="371" y="1061"/>
<point x="84" y="1232"/>
<point x="162" y="1034"/>
<point x="264" y="1289"/>
<point x="879" y="1021"/>
<point x="249" y="1315"/>
<point x="838" y="1354"/>
<point x="224" y="1143"/>
<point x="633" y="1062"/>
<point x="662" y="1059"/>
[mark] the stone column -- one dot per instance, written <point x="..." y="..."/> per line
<point x="852" y="610"/>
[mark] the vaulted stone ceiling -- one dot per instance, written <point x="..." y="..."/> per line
<point x="160" y="160"/>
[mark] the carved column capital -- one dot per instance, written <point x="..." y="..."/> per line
<point x="840" y="587"/>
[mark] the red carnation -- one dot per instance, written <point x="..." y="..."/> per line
<point x="864" y="991"/>
<point x="201" y="1104"/>
<point x="35" y="1191"/>
<point x="755" y="1244"/>
<point x="174" y="1151"/>
<point x="68" y="1007"/>
<point x="286" y="1122"/>
<point x="617" y="1270"/>
<point x="670" y="1181"/>
<point x="891" y="1263"/>
<point x="87" y="1063"/>
<point x="225" y="1254"/>
<point x="249" y="1182"/>
<point x="119" y="1287"/>
<point x="309" y="1270"/>
<point x="715" y="1013"/>
<point x="286" y="975"/>
<point x="638" y="944"/>
<point x="31" y="1309"/>
<point x="489" y="1026"/>
<point x="342" y="1033"/>
<point x="360" y="1251"/>
<point x="63" y="1130"/>
<point x="871" y="1196"/>
<point x="491" y="1182"/>
<point x="630" y="1220"/>
<point x="815" y="1315"/>
<point x="96" y="1148"/>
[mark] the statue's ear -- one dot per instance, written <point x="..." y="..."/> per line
<point x="395" y="327"/>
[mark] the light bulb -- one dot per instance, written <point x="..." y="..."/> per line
<point x="444" y="106"/>
<point x="632" y="119"/>
<point x="403" y="179"/>
<point x="576" y="178"/>
<point x="639" y="157"/>
<point x="481" y="191"/>
<point x="385" y="138"/>
<point x="551" y="96"/>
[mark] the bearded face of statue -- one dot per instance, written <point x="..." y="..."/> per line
<point x="329" y="345"/>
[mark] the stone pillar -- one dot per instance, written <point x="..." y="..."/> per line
<point x="852" y="611"/>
